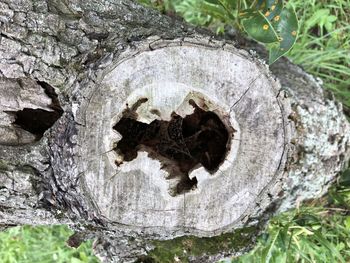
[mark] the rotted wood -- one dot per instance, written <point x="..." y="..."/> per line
<point x="132" y="127"/>
<point x="222" y="80"/>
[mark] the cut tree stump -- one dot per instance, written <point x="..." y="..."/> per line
<point x="134" y="128"/>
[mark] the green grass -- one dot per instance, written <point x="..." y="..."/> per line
<point x="42" y="244"/>
<point x="307" y="234"/>
<point x="323" y="47"/>
<point x="316" y="232"/>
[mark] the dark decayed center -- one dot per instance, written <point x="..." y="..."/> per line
<point x="181" y="144"/>
<point x="37" y="121"/>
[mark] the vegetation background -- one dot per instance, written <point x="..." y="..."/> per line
<point x="317" y="231"/>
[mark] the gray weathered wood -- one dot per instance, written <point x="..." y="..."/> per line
<point x="170" y="74"/>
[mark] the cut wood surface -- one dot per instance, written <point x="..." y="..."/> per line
<point x="139" y="193"/>
<point x="133" y="127"/>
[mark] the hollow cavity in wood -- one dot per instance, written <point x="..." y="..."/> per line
<point x="181" y="144"/>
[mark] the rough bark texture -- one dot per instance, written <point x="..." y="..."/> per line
<point x="289" y="140"/>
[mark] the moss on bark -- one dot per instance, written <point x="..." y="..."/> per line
<point x="181" y="249"/>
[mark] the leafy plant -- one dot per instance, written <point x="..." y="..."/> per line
<point x="270" y="23"/>
<point x="266" y="21"/>
<point x="321" y="18"/>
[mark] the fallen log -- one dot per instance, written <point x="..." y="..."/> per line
<point x="136" y="129"/>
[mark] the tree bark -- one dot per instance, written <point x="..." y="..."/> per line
<point x="134" y="128"/>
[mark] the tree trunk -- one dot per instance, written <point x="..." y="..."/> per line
<point x="135" y="128"/>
